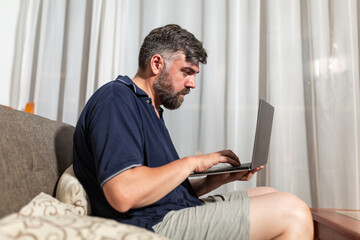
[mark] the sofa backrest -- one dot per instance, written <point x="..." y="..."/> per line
<point x="34" y="152"/>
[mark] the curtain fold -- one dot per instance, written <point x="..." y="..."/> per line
<point x="309" y="103"/>
<point x="288" y="153"/>
<point x="302" y="56"/>
<point x="335" y="74"/>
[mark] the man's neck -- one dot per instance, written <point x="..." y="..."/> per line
<point x="146" y="84"/>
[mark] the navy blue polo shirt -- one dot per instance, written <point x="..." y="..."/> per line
<point x="119" y="129"/>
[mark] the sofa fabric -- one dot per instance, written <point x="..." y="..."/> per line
<point x="34" y="152"/>
<point x="45" y="217"/>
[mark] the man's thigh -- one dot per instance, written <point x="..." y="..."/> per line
<point x="221" y="217"/>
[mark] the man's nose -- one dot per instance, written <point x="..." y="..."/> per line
<point x="190" y="82"/>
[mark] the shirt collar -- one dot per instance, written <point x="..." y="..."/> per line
<point x="138" y="91"/>
<point x="128" y="82"/>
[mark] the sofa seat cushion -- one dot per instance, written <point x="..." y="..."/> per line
<point x="47" y="218"/>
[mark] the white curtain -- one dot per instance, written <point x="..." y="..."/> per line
<point x="302" y="56"/>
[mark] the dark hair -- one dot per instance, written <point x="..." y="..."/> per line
<point x="171" y="38"/>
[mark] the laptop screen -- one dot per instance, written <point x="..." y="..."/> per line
<point x="263" y="134"/>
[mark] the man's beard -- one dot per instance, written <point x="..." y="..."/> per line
<point x="165" y="91"/>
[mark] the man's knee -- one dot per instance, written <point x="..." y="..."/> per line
<point x="286" y="214"/>
<point x="298" y="213"/>
<point x="293" y="204"/>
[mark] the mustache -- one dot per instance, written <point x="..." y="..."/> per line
<point x="184" y="91"/>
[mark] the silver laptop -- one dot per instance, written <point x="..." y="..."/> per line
<point x="261" y="144"/>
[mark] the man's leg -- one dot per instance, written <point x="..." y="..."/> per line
<point x="271" y="215"/>
<point x="278" y="215"/>
<point x="223" y="216"/>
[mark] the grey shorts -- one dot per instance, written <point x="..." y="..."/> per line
<point x="223" y="216"/>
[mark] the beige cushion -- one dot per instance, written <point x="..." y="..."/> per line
<point x="69" y="190"/>
<point x="47" y="218"/>
<point x="46" y="205"/>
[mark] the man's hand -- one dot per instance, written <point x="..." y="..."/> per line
<point x="206" y="161"/>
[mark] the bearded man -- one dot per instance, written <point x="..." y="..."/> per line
<point x="128" y="165"/>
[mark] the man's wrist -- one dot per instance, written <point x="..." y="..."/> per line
<point x="190" y="164"/>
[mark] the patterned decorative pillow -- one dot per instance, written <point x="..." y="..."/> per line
<point x="47" y="218"/>
<point x="46" y="205"/>
<point x="69" y="190"/>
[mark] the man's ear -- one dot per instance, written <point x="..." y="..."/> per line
<point x="157" y="64"/>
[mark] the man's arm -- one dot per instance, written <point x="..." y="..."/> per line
<point x="143" y="186"/>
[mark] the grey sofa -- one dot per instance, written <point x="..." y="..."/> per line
<point x="34" y="153"/>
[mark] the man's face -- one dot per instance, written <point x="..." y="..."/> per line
<point x="173" y="84"/>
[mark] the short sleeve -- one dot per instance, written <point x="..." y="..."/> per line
<point x="115" y="136"/>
